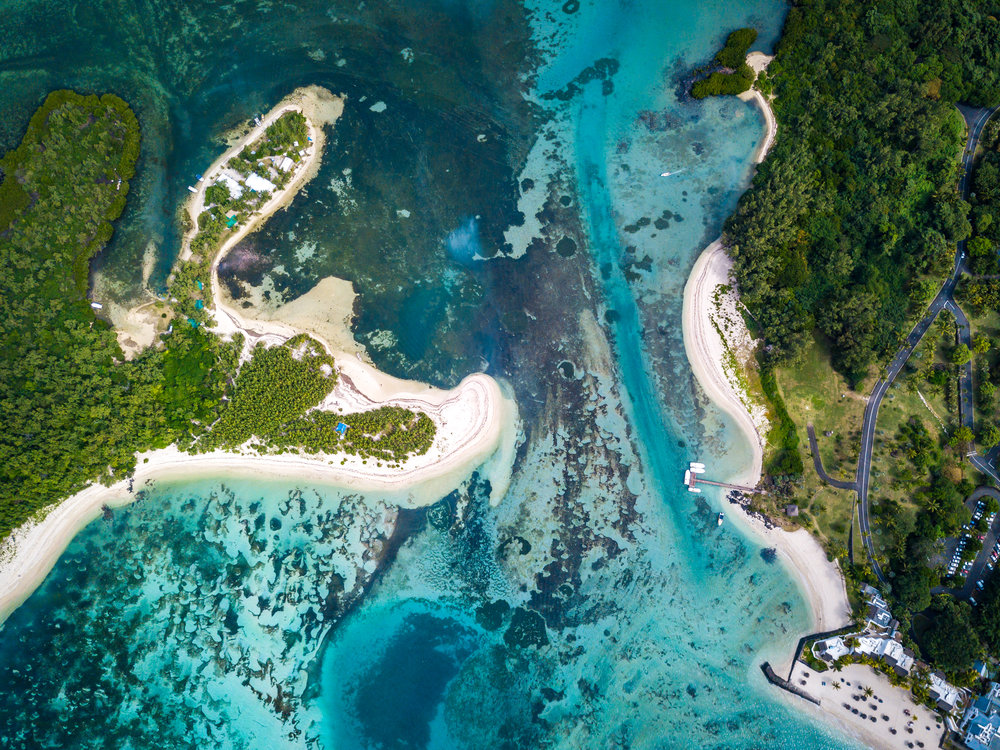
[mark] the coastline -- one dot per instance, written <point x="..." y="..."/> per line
<point x="819" y="579"/>
<point x="758" y="61"/>
<point x="476" y="422"/>
<point x="706" y="351"/>
<point x="889" y="700"/>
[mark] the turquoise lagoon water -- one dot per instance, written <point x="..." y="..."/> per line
<point x="500" y="209"/>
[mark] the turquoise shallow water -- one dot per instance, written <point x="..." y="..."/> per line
<point x="597" y="605"/>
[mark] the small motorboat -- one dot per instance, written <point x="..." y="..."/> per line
<point x="720" y="519"/>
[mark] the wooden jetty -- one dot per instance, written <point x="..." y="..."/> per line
<point x="692" y="478"/>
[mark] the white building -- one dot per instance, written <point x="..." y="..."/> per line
<point x="258" y="184"/>
<point x="284" y="164"/>
<point x="890" y="650"/>
<point x="227" y="179"/>
<point x="831" y="649"/>
<point x="946" y="696"/>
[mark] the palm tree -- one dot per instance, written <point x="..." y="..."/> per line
<point x="836" y="686"/>
<point x="868" y="692"/>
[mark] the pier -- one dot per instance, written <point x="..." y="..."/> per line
<point x="692" y="477"/>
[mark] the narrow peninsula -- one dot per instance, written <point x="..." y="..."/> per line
<point x="226" y="394"/>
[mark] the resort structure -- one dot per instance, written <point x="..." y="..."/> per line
<point x="882" y="641"/>
<point x="981" y="722"/>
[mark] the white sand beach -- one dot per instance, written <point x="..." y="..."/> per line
<point x="476" y="423"/>
<point x="820" y="580"/>
<point x="707" y="352"/>
<point x="759" y="62"/>
<point x="837" y="706"/>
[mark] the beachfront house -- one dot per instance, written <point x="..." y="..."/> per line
<point x="947" y="696"/>
<point x="878" y="617"/>
<point x="888" y="649"/>
<point x="981" y="722"/>
<point x="877" y="646"/>
<point x="229" y="179"/>
<point x="258" y="184"/>
<point x="831" y="649"/>
<point x="284" y="163"/>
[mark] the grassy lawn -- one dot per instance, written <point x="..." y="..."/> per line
<point x="815" y="394"/>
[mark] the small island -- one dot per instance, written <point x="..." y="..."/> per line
<point x="214" y="392"/>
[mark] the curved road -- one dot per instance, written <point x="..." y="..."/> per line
<point x="976" y="120"/>
<point x="818" y="465"/>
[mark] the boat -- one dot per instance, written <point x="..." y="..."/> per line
<point x="193" y="190"/>
<point x="694" y="489"/>
<point x="720" y="519"/>
<point x="697" y="468"/>
<point x="687" y="477"/>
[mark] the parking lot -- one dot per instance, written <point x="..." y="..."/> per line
<point x="963" y="559"/>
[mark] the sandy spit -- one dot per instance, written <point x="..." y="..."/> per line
<point x="820" y="579"/>
<point x="759" y="62"/>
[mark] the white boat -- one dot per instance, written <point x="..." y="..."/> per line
<point x="697" y="468"/>
<point x="720" y="519"/>
<point x="97" y="305"/>
<point x="687" y="476"/>
<point x="192" y="189"/>
<point x="694" y="489"/>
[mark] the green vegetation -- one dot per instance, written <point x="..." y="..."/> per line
<point x="848" y="226"/>
<point x="224" y="214"/>
<point x="987" y="615"/>
<point x="951" y="642"/>
<point x="277" y="385"/>
<point x="287" y="135"/>
<point x="72" y="409"/>
<point x="390" y="433"/>
<point x="737" y="76"/>
<point x="738" y="44"/>
<point x="782" y="439"/>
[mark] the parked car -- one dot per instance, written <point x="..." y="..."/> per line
<point x="979" y="584"/>
<point x="973" y="602"/>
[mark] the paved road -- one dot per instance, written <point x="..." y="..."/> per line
<point x="963" y="334"/>
<point x="976" y="119"/>
<point x="818" y="465"/>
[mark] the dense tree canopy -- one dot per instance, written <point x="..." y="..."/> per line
<point x="857" y="201"/>
<point x="71" y="408"/>
<point x="951" y="642"/>
<point x="736" y="76"/>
